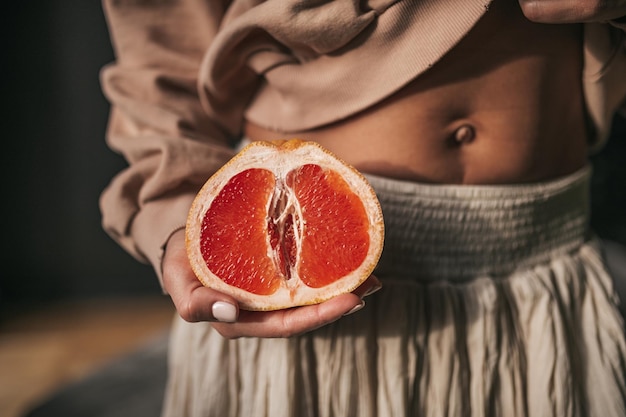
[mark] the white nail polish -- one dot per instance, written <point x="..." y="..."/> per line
<point x="373" y="289"/>
<point x="225" y="312"/>
<point x="356" y="308"/>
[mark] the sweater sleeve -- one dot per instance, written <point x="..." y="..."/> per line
<point x="171" y="143"/>
<point x="604" y="77"/>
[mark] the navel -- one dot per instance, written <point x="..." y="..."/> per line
<point x="464" y="134"/>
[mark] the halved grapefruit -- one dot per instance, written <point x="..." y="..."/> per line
<point x="284" y="224"/>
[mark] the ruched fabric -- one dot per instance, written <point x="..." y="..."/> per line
<point x="495" y="302"/>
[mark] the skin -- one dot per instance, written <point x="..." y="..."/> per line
<point x="518" y="94"/>
<point x="567" y="11"/>
<point x="194" y="301"/>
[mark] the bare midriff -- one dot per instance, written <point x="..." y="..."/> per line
<point x="503" y="106"/>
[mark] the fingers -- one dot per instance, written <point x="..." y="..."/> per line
<point x="193" y="301"/>
<point x="196" y="303"/>
<point x="295" y="321"/>
<point x="572" y="11"/>
<point x="289" y="322"/>
<point x="369" y="287"/>
<point x="205" y="304"/>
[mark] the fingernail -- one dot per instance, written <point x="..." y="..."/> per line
<point x="356" y="308"/>
<point x="225" y="312"/>
<point x="371" y="290"/>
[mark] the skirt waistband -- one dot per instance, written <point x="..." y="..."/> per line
<point x="459" y="232"/>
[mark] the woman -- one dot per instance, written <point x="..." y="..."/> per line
<point x="472" y="120"/>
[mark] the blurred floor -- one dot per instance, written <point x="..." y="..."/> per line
<point x="43" y="349"/>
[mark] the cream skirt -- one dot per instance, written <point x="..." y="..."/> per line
<point x="495" y="302"/>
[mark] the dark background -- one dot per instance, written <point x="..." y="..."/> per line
<point x="55" y="162"/>
<point x="54" y="159"/>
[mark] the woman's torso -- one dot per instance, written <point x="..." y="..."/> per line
<point x="503" y="108"/>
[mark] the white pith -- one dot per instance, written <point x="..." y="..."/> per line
<point x="280" y="162"/>
<point x="285" y="203"/>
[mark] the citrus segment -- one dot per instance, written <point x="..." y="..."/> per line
<point x="233" y="237"/>
<point x="336" y="236"/>
<point x="284" y="224"/>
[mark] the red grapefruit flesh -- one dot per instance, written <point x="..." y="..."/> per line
<point x="284" y="224"/>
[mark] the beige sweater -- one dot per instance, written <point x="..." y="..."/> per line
<point x="188" y="72"/>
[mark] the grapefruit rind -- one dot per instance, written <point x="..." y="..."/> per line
<point x="280" y="157"/>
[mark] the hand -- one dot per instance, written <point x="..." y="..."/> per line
<point x="573" y="11"/>
<point x="195" y="302"/>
